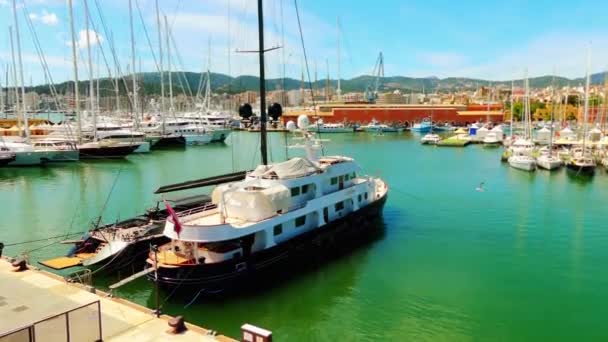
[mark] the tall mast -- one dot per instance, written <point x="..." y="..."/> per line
<point x="135" y="100"/>
<point x="512" y="104"/>
<point x="91" y="86"/>
<point x="98" y="97"/>
<point x="14" y="76"/>
<point x="283" y="102"/>
<point x="586" y="110"/>
<point x="339" y="90"/>
<point x="208" y="85"/>
<point x="6" y="72"/>
<point x="604" y="107"/>
<point x="553" y="102"/>
<point x="488" y="103"/>
<point x="327" y="86"/>
<point x="160" y="54"/>
<point x="1" y="96"/>
<point x="262" y="84"/>
<point x="302" y="86"/>
<point x="170" y="71"/>
<point x="169" y="66"/>
<point x="316" y="84"/>
<point x="526" y="103"/>
<point x="116" y="88"/>
<point x="75" y="66"/>
<point x="26" y="128"/>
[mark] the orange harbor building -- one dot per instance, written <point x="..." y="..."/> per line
<point x="407" y="114"/>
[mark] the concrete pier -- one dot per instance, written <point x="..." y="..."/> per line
<point x="55" y="309"/>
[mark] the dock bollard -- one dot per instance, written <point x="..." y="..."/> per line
<point x="177" y="325"/>
<point x="251" y="333"/>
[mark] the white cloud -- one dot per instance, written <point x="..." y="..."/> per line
<point x="47" y="18"/>
<point x="4" y="3"/>
<point x="94" y="38"/>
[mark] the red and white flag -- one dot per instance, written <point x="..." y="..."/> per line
<point x="177" y="227"/>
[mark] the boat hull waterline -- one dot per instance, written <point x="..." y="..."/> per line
<point x="227" y="275"/>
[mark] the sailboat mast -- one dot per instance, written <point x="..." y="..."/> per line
<point x="75" y="66"/>
<point x="26" y="128"/>
<point x="512" y="103"/>
<point x="488" y="104"/>
<point x="208" y="83"/>
<point x="97" y="103"/>
<point x="262" y="84"/>
<point x="586" y="109"/>
<point x="135" y="98"/>
<point x="283" y="102"/>
<point x="91" y="85"/>
<point x="116" y="88"/>
<point x="14" y="76"/>
<point x="169" y="65"/>
<point x="553" y="102"/>
<point x="162" y="81"/>
<point x="339" y="90"/>
<point x="1" y="96"/>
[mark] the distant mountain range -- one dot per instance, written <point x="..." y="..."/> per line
<point x="224" y="83"/>
<point x="221" y="83"/>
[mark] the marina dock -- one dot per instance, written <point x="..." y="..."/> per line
<point x="40" y="303"/>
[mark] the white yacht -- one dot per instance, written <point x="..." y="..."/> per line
<point x="492" y="139"/>
<point x="548" y="161"/>
<point x="191" y="129"/>
<point x="522" y="161"/>
<point x="27" y="154"/>
<point x="6" y="156"/>
<point x="275" y="214"/>
<point x="218" y="124"/>
<point x="119" y="133"/>
<point x="430" y="139"/>
<point x="376" y="127"/>
<point x="322" y="127"/>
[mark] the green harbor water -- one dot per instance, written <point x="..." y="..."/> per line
<point x="523" y="260"/>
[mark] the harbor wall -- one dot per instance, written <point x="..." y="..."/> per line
<point x="364" y="113"/>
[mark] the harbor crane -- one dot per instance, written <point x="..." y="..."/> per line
<point x="371" y="92"/>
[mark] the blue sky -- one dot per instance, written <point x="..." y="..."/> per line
<point x="494" y="40"/>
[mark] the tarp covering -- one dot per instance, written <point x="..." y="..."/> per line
<point x="293" y="168"/>
<point x="254" y="203"/>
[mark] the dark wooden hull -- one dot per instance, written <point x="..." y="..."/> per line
<point x="134" y="256"/>
<point x="107" y="152"/>
<point x="209" y="279"/>
<point x="581" y="170"/>
<point x="170" y="142"/>
<point x="6" y="159"/>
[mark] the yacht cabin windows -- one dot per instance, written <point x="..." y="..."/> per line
<point x="300" y="221"/>
<point x="305" y="188"/>
<point x="339" y="206"/>
<point x="334" y="180"/>
<point x="278" y="229"/>
<point x="295" y="191"/>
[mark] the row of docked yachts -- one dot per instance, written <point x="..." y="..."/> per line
<point x="581" y="157"/>
<point x="109" y="138"/>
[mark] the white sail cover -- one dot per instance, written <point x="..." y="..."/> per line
<point x="254" y="204"/>
<point x="292" y="168"/>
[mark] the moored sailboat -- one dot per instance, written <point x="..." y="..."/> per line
<point x="583" y="163"/>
